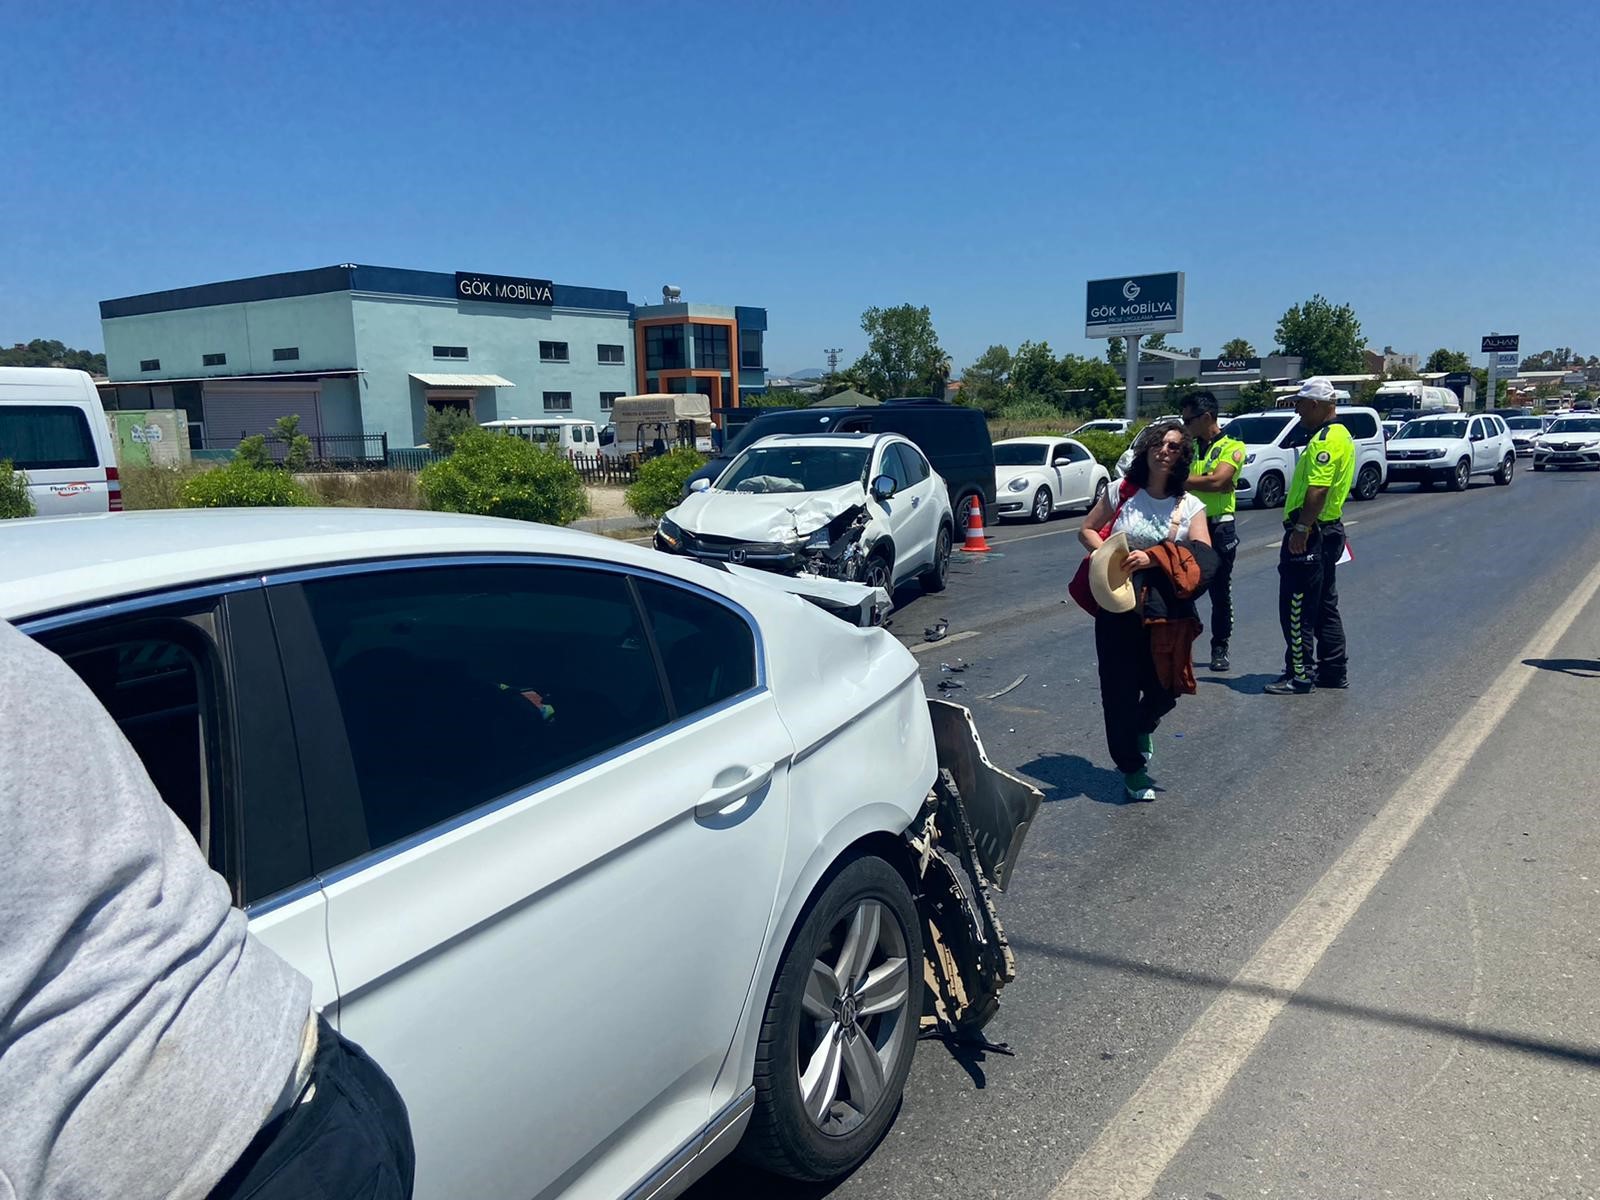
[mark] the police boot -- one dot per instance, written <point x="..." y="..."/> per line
<point x="1219" y="656"/>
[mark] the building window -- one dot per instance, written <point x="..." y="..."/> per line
<point x="558" y="402"/>
<point x="750" y="349"/>
<point x="663" y="347"/>
<point x="214" y="360"/>
<point x="286" y="354"/>
<point x="711" y="347"/>
<point x="552" y="352"/>
<point x="149" y="364"/>
<point x="608" y="400"/>
<point x="449" y="351"/>
<point x="609" y="354"/>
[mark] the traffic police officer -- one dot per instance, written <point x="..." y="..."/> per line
<point x="1217" y="459"/>
<point x="1308" y="604"/>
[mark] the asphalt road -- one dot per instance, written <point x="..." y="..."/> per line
<point x="1350" y="950"/>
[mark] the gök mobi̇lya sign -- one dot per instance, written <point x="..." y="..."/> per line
<point x="1133" y="305"/>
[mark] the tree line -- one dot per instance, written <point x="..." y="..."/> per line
<point x="42" y="353"/>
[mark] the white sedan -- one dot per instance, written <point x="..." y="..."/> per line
<point x="611" y="859"/>
<point x="1035" y="477"/>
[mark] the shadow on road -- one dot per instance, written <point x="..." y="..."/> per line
<point x="1583" y="668"/>
<point x="1069" y="776"/>
<point x="1245" y="685"/>
<point x="1584" y="1056"/>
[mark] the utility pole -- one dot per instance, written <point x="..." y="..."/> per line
<point x="833" y="353"/>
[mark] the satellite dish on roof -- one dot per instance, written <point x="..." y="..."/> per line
<point x="669" y="293"/>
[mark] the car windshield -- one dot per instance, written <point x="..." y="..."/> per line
<point x="1260" y="430"/>
<point x="1432" y="429"/>
<point x="795" y="469"/>
<point x="767" y="424"/>
<point x="1025" y="455"/>
<point x="1525" y="423"/>
<point x="1576" y="425"/>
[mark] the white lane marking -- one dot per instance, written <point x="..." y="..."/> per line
<point x="920" y="647"/>
<point x="1137" y="1146"/>
<point x="1028" y="537"/>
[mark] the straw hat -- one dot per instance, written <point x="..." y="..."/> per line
<point x="1109" y="579"/>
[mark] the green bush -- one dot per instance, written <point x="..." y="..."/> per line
<point x="660" y="481"/>
<point x="495" y="475"/>
<point x="240" y="485"/>
<point x="14" y="498"/>
<point x="1106" y="447"/>
<point x="296" y="445"/>
<point x="444" y="426"/>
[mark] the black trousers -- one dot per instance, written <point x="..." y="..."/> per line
<point x="1308" y="607"/>
<point x="1225" y="541"/>
<point x="350" y="1138"/>
<point x="1130" y="690"/>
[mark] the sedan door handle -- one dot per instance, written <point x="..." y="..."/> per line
<point x="723" y="801"/>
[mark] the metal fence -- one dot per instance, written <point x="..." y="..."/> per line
<point x="338" y="451"/>
<point x="597" y="468"/>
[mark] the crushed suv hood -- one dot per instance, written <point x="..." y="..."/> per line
<point x="764" y="516"/>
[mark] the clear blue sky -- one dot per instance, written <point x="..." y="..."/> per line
<point x="1435" y="165"/>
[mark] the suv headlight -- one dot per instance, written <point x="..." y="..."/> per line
<point x="1019" y="484"/>
<point x="669" y="533"/>
<point x="1434" y="454"/>
<point x="818" y="539"/>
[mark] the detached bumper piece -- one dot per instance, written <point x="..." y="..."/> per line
<point x="966" y="843"/>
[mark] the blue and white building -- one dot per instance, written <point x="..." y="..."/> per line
<point x="355" y="350"/>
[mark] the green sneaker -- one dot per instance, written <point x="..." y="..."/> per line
<point x="1138" y="786"/>
<point x="1147" y="747"/>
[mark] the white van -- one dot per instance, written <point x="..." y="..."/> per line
<point x="53" y="428"/>
<point x="1412" y="395"/>
<point x="570" y="435"/>
<point x="1273" y="441"/>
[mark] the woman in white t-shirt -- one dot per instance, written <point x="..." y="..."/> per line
<point x="1157" y="508"/>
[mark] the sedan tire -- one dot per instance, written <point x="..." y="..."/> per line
<point x="840" y="1027"/>
<point x="936" y="577"/>
<point x="1043" y="506"/>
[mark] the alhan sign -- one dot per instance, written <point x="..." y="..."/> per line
<point x="504" y="289"/>
<point x="1132" y="305"/>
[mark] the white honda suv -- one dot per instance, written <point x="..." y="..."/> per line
<point x="611" y="859"/>
<point x="1451" y="448"/>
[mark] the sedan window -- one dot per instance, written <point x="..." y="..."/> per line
<point x="707" y="649"/>
<point x="1024" y="454"/>
<point x="458" y="685"/>
<point x="1259" y="431"/>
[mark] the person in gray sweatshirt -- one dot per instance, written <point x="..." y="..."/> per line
<point x="149" y="1046"/>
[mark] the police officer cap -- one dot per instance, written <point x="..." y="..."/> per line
<point x="1317" y="388"/>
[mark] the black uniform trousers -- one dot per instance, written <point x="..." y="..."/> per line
<point x="350" y="1139"/>
<point x="1225" y="541"/>
<point x="1131" y="693"/>
<point x="1308" y="607"/>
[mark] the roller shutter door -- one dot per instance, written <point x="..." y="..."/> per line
<point x="239" y="410"/>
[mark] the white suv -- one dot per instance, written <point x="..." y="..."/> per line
<point x="607" y="857"/>
<point x="1273" y="441"/>
<point x="1451" y="448"/>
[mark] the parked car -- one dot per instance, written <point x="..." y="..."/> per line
<point x="1036" y="477"/>
<point x="1115" y="425"/>
<point x="1391" y="427"/>
<point x="1525" y="432"/>
<point x="1273" y="441"/>
<point x="1572" y="441"/>
<point x="53" y="429"/>
<point x="1450" y="449"/>
<point x="955" y="439"/>
<point x="594" y="850"/>
<point x="865" y="507"/>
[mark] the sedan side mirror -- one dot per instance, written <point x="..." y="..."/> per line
<point x="700" y="485"/>
<point x="883" y="488"/>
<point x="1063" y="461"/>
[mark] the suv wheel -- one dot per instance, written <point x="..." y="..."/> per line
<point x="840" y="1027"/>
<point x="936" y="576"/>
<point x="1507" y="469"/>
<point x="1368" y="482"/>
<point x="1269" y="491"/>
<point x="1461" y="476"/>
<point x="879" y="572"/>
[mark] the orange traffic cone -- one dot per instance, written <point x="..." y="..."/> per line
<point x="975" y="543"/>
